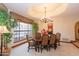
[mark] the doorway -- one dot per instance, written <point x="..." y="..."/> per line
<point x="77" y="31"/>
<point x="76" y="42"/>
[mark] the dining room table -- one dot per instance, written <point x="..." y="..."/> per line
<point x="38" y="42"/>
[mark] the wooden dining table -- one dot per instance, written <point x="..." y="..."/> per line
<point x="38" y="42"/>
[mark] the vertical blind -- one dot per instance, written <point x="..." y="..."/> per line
<point x="21" y="30"/>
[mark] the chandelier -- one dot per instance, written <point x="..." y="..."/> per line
<point x="45" y="19"/>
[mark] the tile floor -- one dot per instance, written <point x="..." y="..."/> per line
<point x="66" y="49"/>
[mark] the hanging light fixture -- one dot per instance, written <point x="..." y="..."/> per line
<point x="45" y="19"/>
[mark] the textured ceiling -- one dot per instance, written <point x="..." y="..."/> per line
<point x="22" y="8"/>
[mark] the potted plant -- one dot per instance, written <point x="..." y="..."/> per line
<point x="7" y="39"/>
<point x="6" y="20"/>
<point x="34" y="29"/>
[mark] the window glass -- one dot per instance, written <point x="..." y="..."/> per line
<point x="21" y="30"/>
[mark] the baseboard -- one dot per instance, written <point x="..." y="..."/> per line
<point x="19" y="43"/>
<point x="65" y="41"/>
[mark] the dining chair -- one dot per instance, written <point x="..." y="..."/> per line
<point x="31" y="43"/>
<point x="44" y="43"/>
<point x="38" y="36"/>
<point x="58" y="36"/>
<point x="53" y="41"/>
<point x="37" y="40"/>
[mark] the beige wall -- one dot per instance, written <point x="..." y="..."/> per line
<point x="64" y="25"/>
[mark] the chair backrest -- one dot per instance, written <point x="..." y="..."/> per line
<point x="45" y="40"/>
<point x="30" y="41"/>
<point x="38" y="36"/>
<point x="27" y="37"/>
<point x="52" y="39"/>
<point x="58" y="36"/>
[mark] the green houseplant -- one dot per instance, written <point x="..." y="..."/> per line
<point x="34" y="28"/>
<point x="6" y="20"/>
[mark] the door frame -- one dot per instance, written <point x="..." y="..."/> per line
<point x="75" y="30"/>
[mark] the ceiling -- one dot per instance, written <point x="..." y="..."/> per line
<point x="72" y="9"/>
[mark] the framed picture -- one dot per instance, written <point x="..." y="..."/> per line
<point x="50" y="28"/>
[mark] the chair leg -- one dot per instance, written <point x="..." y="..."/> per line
<point x="55" y="46"/>
<point x="59" y="44"/>
<point x="28" y="48"/>
<point x="41" y="48"/>
<point x="49" y="47"/>
<point x="38" y="48"/>
<point x="35" y="48"/>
